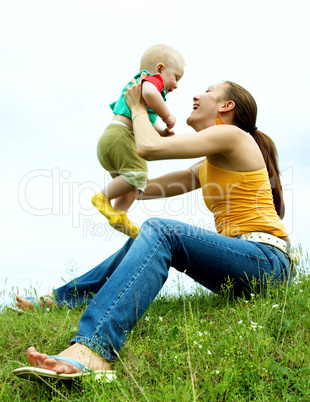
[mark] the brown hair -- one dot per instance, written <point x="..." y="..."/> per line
<point x="245" y="113"/>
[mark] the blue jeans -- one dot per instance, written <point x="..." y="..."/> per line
<point x="120" y="289"/>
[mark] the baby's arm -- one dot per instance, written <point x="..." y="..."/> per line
<point x="155" y="101"/>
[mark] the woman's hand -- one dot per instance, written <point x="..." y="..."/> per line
<point x="133" y="96"/>
<point x="166" y="133"/>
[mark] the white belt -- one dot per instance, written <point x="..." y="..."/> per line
<point x="267" y="238"/>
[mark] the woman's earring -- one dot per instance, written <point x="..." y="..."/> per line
<point x="219" y="120"/>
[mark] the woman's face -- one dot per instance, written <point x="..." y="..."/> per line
<point x="206" y="107"/>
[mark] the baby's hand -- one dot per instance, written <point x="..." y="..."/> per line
<point x="170" y="121"/>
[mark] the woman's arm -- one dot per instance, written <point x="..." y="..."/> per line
<point x="150" y="146"/>
<point x="172" y="184"/>
<point x="210" y="141"/>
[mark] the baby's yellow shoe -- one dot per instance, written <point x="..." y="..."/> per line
<point x="101" y="202"/>
<point x="125" y="226"/>
<point x="117" y="219"/>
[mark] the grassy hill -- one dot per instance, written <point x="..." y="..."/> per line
<point x="197" y="346"/>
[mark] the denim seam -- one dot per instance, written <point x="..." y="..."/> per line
<point x="223" y="247"/>
<point x="126" y="290"/>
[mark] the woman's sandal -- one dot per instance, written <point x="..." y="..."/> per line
<point x="36" y="373"/>
<point x="35" y="303"/>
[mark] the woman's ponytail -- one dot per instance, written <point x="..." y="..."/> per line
<point x="270" y="155"/>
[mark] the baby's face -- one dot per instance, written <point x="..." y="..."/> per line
<point x="171" y="75"/>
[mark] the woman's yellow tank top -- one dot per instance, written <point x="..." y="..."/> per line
<point x="241" y="202"/>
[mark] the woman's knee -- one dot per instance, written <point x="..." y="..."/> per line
<point x="154" y="223"/>
<point x="161" y="226"/>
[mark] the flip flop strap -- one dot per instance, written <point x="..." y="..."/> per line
<point x="71" y="361"/>
<point x="34" y="301"/>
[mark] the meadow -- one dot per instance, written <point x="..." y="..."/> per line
<point x="187" y="347"/>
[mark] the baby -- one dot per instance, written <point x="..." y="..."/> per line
<point x="116" y="149"/>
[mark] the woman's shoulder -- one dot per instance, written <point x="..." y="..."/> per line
<point x="226" y="132"/>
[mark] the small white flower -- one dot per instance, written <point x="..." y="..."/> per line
<point x="195" y="343"/>
<point x="200" y="346"/>
<point x="161" y="318"/>
<point x="217" y="371"/>
<point x="200" y="333"/>
<point x="209" y="353"/>
<point x="300" y="290"/>
<point x="240" y="322"/>
<point x="147" y="318"/>
<point x="254" y="325"/>
<point x="246" y="301"/>
<point x="252" y="294"/>
<point x="175" y="358"/>
<point x="275" y="305"/>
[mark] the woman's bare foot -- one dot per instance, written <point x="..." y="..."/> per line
<point x="78" y="351"/>
<point x="46" y="301"/>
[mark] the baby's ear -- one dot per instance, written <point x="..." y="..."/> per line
<point x="159" y="68"/>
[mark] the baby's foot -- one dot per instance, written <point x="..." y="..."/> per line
<point x="101" y="202"/>
<point x="117" y="219"/>
<point x="126" y="227"/>
<point x="114" y="220"/>
<point x="46" y="301"/>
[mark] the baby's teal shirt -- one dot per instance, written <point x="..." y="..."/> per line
<point x="120" y="106"/>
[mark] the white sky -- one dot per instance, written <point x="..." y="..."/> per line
<point x="63" y="62"/>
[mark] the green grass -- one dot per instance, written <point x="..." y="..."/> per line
<point x="200" y="346"/>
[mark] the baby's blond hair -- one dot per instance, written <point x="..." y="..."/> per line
<point x="160" y="54"/>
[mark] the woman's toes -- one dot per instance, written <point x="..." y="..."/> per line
<point x="32" y="356"/>
<point x="43" y="301"/>
<point x="55" y="365"/>
<point x="23" y="303"/>
<point x="42" y="360"/>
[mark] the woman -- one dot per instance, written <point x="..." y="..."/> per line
<point x="251" y="245"/>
